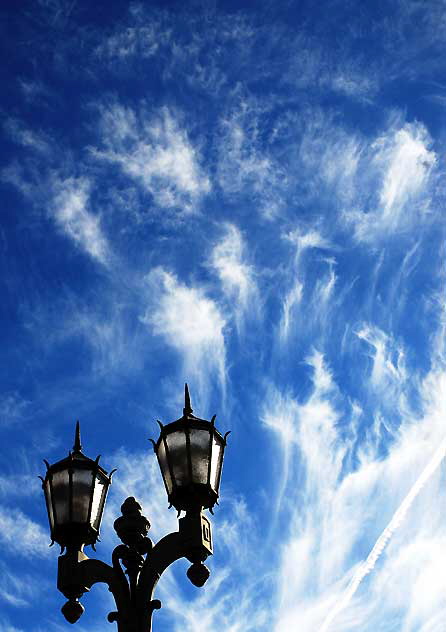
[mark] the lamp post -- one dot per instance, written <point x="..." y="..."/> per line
<point x="190" y="454"/>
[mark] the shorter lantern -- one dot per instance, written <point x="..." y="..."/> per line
<point x="190" y="455"/>
<point x="75" y="491"/>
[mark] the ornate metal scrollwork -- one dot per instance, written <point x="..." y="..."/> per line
<point x="136" y="567"/>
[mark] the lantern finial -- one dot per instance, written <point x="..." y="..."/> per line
<point x="77" y="447"/>
<point x="187" y="410"/>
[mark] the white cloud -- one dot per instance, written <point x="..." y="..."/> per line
<point x="228" y="259"/>
<point x="138" y="475"/>
<point x="31" y="139"/>
<point x="19" y="485"/>
<point x="114" y="346"/>
<point x="324" y="288"/>
<point x="141" y="41"/>
<point x="388" y="366"/>
<point x="241" y="160"/>
<point x="292" y="301"/>
<point x="19" y="590"/>
<point x="335" y="515"/>
<point x="380" y="186"/>
<point x="232" y="599"/>
<point x="70" y="211"/>
<point x="397" y="165"/>
<point x="156" y="152"/>
<point x="22" y="535"/>
<point x="368" y="565"/>
<point x="407" y="162"/>
<point x="7" y="627"/>
<point x="303" y="240"/>
<point x="13" y="409"/>
<point x="309" y="445"/>
<point x="352" y="83"/>
<point x="32" y="89"/>
<point x="330" y="156"/>
<point x="245" y="162"/>
<point x="103" y="330"/>
<point x="191" y="323"/>
<point x="308" y="428"/>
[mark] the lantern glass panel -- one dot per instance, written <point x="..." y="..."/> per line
<point x="82" y="484"/>
<point x="162" y="459"/>
<point x="216" y="462"/>
<point x="177" y="448"/>
<point x="49" y="504"/>
<point x="199" y="446"/>
<point x="97" y="506"/>
<point x="61" y="496"/>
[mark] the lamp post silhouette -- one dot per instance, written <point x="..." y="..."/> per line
<point x="190" y="455"/>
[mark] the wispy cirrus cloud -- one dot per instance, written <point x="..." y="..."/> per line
<point x="333" y="514"/>
<point x="379" y="185"/>
<point x="34" y="140"/>
<point x="155" y="151"/>
<point x="19" y="590"/>
<point x="17" y="485"/>
<point x="7" y="627"/>
<point x="244" y="160"/>
<point x="368" y="565"/>
<point x="138" y="475"/>
<point x="191" y="323"/>
<point x="141" y="41"/>
<point x="73" y="217"/>
<point x="21" y="534"/>
<point x="255" y="122"/>
<point x="13" y="409"/>
<point x="328" y="157"/>
<point x="230" y="262"/>
<point x="303" y="241"/>
<point x="66" y="199"/>
<point x="388" y="365"/>
<point x="399" y="163"/>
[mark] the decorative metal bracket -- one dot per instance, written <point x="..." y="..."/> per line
<point x="137" y="565"/>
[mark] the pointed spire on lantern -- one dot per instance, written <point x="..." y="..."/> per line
<point x="187" y="410"/>
<point x="77" y="447"/>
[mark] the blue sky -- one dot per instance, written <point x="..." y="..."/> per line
<point x="248" y="197"/>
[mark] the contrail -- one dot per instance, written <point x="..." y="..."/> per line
<point x="385" y="536"/>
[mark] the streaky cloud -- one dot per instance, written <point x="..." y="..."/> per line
<point x="71" y="213"/>
<point x="237" y="276"/>
<point x="192" y="324"/>
<point x="153" y="150"/>
<point x="368" y="565"/>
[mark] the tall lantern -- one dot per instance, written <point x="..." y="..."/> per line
<point x="190" y="455"/>
<point x="75" y="492"/>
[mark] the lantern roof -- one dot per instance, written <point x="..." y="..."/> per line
<point x="76" y="455"/>
<point x="188" y="418"/>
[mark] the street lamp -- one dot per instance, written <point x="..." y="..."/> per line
<point x="75" y="492"/>
<point x="190" y="454"/>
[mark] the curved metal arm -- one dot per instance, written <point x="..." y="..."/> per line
<point x="95" y="572"/>
<point x="77" y="574"/>
<point x="194" y="542"/>
<point x="167" y="551"/>
<point x="134" y="597"/>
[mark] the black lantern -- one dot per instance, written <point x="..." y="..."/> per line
<point x="75" y="491"/>
<point x="190" y="455"/>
